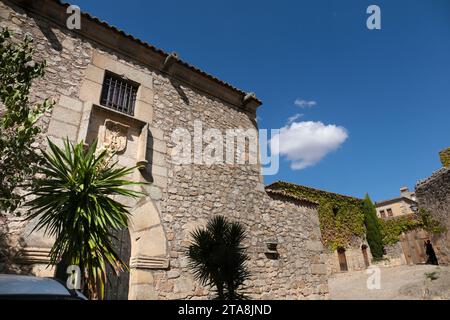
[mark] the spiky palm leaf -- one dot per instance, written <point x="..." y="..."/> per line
<point x="74" y="203"/>
<point x="217" y="257"/>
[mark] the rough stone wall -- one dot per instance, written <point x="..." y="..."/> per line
<point x="181" y="197"/>
<point x="66" y="60"/>
<point x="394" y="255"/>
<point x="434" y="195"/>
<point x="196" y="192"/>
<point x="354" y="256"/>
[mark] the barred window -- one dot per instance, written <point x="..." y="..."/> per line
<point x="119" y="94"/>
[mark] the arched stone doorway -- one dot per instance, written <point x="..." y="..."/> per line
<point x="148" y="250"/>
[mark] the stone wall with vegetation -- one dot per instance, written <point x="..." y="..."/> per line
<point x="341" y="223"/>
<point x="179" y="198"/>
<point x="341" y="217"/>
<point x="433" y="194"/>
<point x="66" y="58"/>
<point x="394" y="255"/>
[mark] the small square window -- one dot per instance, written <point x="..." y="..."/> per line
<point x="119" y="94"/>
<point x="382" y="214"/>
<point x="390" y="213"/>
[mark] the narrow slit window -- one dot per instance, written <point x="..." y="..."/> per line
<point x="119" y="94"/>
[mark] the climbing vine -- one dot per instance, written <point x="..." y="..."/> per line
<point x="341" y="217"/>
<point x="391" y="229"/>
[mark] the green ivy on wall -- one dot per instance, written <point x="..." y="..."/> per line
<point x="341" y="217"/>
<point x="391" y="229"/>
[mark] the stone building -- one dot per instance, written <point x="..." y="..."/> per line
<point x="355" y="255"/>
<point x="160" y="93"/>
<point x="433" y="194"/>
<point x="397" y="207"/>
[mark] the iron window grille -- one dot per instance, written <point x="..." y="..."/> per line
<point x="119" y="94"/>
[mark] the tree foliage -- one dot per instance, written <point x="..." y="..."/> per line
<point x="18" y="119"/>
<point x="373" y="227"/>
<point x="74" y="203"/>
<point x="218" y="258"/>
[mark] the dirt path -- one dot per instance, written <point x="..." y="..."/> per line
<point x="402" y="282"/>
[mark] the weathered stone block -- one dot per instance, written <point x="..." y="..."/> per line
<point x="159" y="181"/>
<point x="66" y="115"/>
<point x="94" y="74"/>
<point x="62" y="130"/>
<point x="4" y="14"/>
<point x="144" y="217"/>
<point x="70" y="103"/>
<point x="158" y="170"/>
<point x="90" y="91"/>
<point x="314" y="245"/>
<point x="142" y="292"/>
<point x="172" y="274"/>
<point x="184" y="285"/>
<point x="140" y="276"/>
<point x="150" y="242"/>
<point x="104" y="62"/>
<point x="144" y="111"/>
<point x="156" y="133"/>
<point x="318" y="269"/>
<point x="145" y="94"/>
<point x="154" y="192"/>
<point x="158" y="158"/>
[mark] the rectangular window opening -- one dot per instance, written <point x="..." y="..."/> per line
<point x="119" y="94"/>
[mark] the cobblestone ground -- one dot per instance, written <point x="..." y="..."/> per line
<point x="397" y="283"/>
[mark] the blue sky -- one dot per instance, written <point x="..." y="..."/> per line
<point x="388" y="90"/>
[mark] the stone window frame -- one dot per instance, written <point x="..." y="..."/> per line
<point x="91" y="87"/>
<point x="91" y="91"/>
<point x="390" y="213"/>
<point x="125" y="87"/>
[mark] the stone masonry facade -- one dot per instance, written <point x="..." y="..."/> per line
<point x="178" y="198"/>
<point x="433" y="194"/>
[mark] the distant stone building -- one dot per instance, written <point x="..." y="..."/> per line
<point x="433" y="194"/>
<point x="346" y="211"/>
<point x="397" y="207"/>
<point x="128" y="94"/>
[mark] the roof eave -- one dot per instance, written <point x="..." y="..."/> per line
<point x="143" y="52"/>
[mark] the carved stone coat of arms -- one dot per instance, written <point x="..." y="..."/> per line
<point x="115" y="137"/>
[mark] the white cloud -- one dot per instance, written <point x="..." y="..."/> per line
<point x="304" y="104"/>
<point x="294" y="117"/>
<point x="306" y="143"/>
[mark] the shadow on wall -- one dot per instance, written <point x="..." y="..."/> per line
<point x="147" y="174"/>
<point x="49" y="34"/>
<point x="8" y="253"/>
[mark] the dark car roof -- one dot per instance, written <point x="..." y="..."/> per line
<point x="28" y="285"/>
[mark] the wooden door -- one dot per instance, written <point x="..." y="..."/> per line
<point x="342" y="260"/>
<point x="365" y="255"/>
<point x="116" y="287"/>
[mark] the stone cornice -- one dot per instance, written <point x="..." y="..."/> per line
<point x="146" y="262"/>
<point x="117" y="40"/>
<point x="31" y="255"/>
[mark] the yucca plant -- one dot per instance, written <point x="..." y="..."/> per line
<point x="74" y="203"/>
<point x="217" y="257"/>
